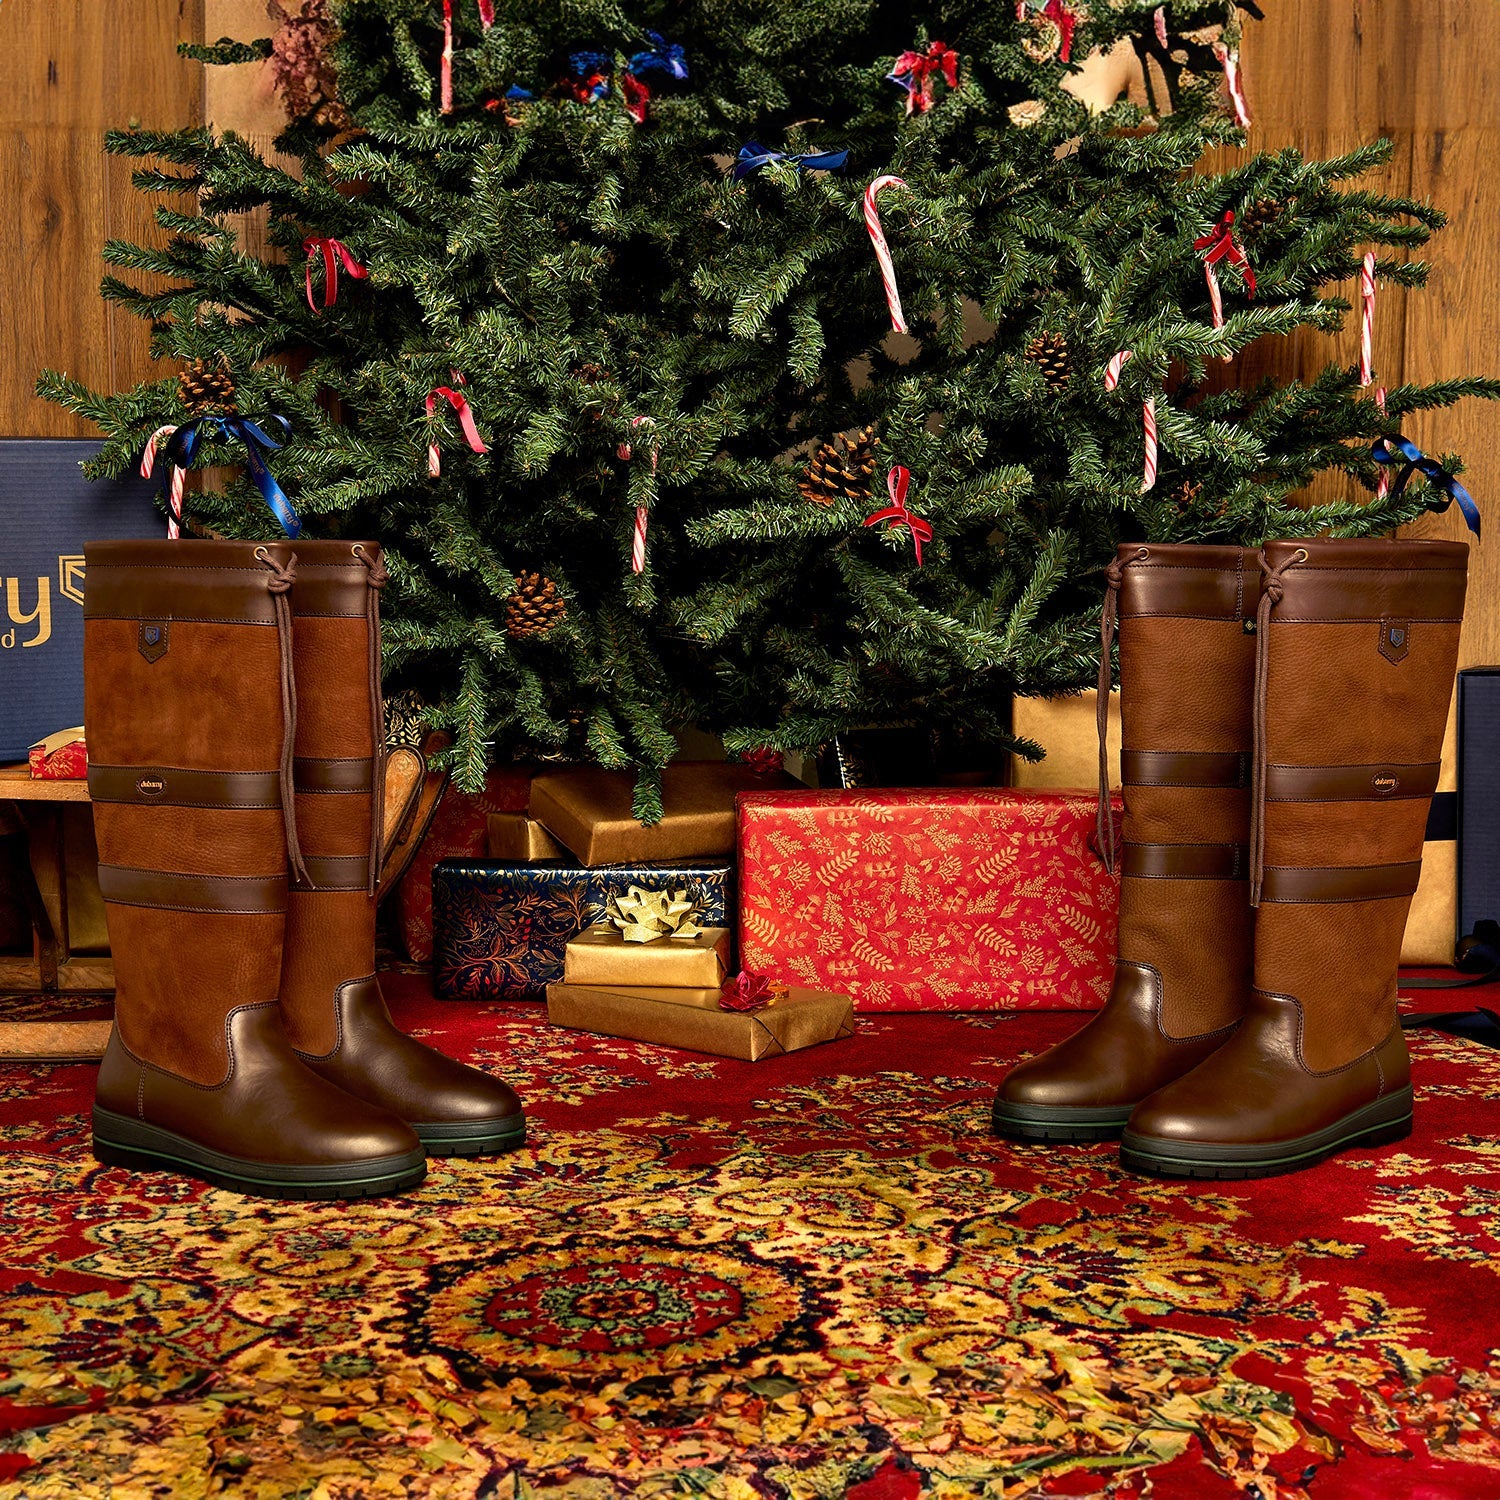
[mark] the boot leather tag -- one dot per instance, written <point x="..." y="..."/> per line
<point x="151" y="639"/>
<point x="1395" y="639"/>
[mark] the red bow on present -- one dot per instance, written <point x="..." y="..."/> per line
<point x="637" y="97"/>
<point x="1219" y="244"/>
<point x="465" y="415"/>
<point x="747" y="991"/>
<point x="896" y="482"/>
<point x="334" y="251"/>
<point x="915" y="71"/>
<point x="1066" y="22"/>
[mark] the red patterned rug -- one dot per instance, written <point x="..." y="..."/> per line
<point x="815" y="1276"/>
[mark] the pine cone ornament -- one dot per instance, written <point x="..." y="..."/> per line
<point x="1049" y="352"/>
<point x="535" y="608"/>
<point x="205" y="389"/>
<point x="301" y="62"/>
<point x="1187" y="495"/>
<point x="841" y="469"/>
<point x="1259" y="216"/>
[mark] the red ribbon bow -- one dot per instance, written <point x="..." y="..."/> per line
<point x="637" y="97"/>
<point x="465" y="416"/>
<point x="747" y="991"/>
<point x="334" y="251"/>
<point x="1219" y="244"/>
<point x="918" y="69"/>
<point x="896" y="482"/>
<point x="1066" y="22"/>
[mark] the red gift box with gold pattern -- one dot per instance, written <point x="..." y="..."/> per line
<point x="928" y="899"/>
<point x="60" y="757"/>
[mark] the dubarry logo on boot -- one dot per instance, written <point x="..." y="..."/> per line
<point x="151" y="786"/>
<point x="1385" y="783"/>
<point x="152" y="640"/>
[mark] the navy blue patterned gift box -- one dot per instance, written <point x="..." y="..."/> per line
<point x="499" y="930"/>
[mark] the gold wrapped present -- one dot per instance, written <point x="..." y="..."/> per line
<point x="1432" y="920"/>
<point x="589" y="811"/>
<point x="1067" y="729"/>
<point x="602" y="954"/>
<point x="520" y="840"/>
<point x="696" y="1020"/>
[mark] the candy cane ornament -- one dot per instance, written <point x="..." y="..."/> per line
<point x="638" y="535"/>
<point x="1233" y="84"/>
<point x="175" y="489"/>
<point x="1148" y="415"/>
<point x="1366" y="316"/>
<point x="882" y="250"/>
<point x="465" y="415"/>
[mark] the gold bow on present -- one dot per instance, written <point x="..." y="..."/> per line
<point x="650" y="916"/>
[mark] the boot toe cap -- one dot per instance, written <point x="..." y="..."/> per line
<point x="469" y="1096"/>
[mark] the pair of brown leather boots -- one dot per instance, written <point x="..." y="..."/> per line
<point x="232" y="698"/>
<point x="1283" y="718"/>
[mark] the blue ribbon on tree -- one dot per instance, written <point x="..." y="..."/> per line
<point x="753" y="156"/>
<point x="183" y="445"/>
<point x="664" y="57"/>
<point x="1384" y="451"/>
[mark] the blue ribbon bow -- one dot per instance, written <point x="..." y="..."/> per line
<point x="181" y="447"/>
<point x="664" y="57"/>
<point x="584" y="63"/>
<point x="1382" y="452"/>
<point x="753" y="156"/>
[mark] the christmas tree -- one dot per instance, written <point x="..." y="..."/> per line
<point x="611" y="369"/>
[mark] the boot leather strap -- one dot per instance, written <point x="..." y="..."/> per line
<point x="1350" y="783"/>
<point x="172" y="786"/>
<point x="1186" y="861"/>
<point x="1348" y="883"/>
<point x="337" y="774"/>
<point x="122" y="885"/>
<point x="1189" y="768"/>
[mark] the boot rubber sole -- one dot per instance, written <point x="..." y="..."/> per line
<point x="1056" y="1122"/>
<point x="471" y="1137"/>
<point x="1377" y="1124"/>
<point x="122" y="1142"/>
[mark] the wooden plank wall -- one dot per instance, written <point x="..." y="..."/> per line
<point x="1327" y="75"/>
<point x="70" y="70"/>
<point x="1322" y="75"/>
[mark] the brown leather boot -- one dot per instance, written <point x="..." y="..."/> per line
<point x="1182" y="977"/>
<point x="187" y="698"/>
<point x="1358" y="643"/>
<point x="330" y="996"/>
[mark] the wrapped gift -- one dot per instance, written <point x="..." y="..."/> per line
<point x="588" y="810"/>
<point x="60" y="757"/>
<point x="698" y="1021"/>
<point x="929" y="899"/>
<point x="460" y="830"/>
<point x="1432" y="926"/>
<point x="1478" y="798"/>
<point x="502" y="930"/>
<point x="601" y="955"/>
<point x="1067" y="729"/>
<point x="521" y="840"/>
<point x="43" y="578"/>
